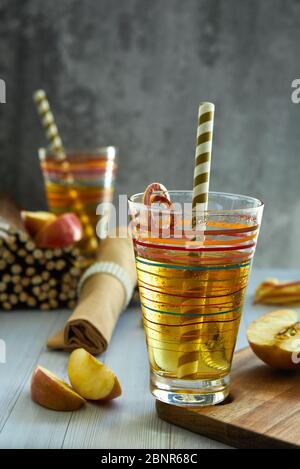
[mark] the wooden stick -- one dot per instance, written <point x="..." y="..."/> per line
<point x="16" y="269"/>
<point x="52" y="294"/>
<point x="31" y="301"/>
<point x="48" y="254"/>
<point x="45" y="287"/>
<point x="22" y="252"/>
<point x="57" y="252"/>
<point x="30" y="271"/>
<point x="45" y="275"/>
<point x="53" y="303"/>
<point x="60" y="264"/>
<point x="36" y="280"/>
<point x="13" y="299"/>
<point x="16" y="279"/>
<point x="6" y="278"/>
<point x="30" y="246"/>
<point x="36" y="290"/>
<point x="25" y="281"/>
<point x="29" y="259"/>
<point x="18" y="288"/>
<point x="37" y="253"/>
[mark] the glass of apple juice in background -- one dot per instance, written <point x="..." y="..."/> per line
<point x="92" y="175"/>
<point x="192" y="290"/>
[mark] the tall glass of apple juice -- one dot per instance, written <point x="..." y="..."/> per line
<point x="192" y="281"/>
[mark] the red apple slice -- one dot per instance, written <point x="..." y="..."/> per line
<point x="63" y="231"/>
<point x="52" y="392"/>
<point x="275" y="339"/>
<point x="156" y="192"/>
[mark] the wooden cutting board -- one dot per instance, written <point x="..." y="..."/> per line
<point x="262" y="411"/>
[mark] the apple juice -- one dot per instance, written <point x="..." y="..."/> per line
<point x="192" y="304"/>
<point x="92" y="176"/>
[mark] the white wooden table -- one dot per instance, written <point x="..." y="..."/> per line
<point x="128" y="422"/>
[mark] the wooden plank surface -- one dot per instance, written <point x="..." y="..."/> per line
<point x="129" y="422"/>
<point x="262" y="410"/>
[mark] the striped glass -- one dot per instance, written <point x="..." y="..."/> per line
<point x="192" y="280"/>
<point x="92" y="175"/>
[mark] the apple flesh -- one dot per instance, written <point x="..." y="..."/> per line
<point x="35" y="221"/>
<point x="63" y="231"/>
<point x="52" y="392"/>
<point x="91" y="378"/>
<point x="275" y="339"/>
<point x="275" y="292"/>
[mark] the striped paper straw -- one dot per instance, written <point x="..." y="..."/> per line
<point x="48" y="123"/>
<point x="56" y="145"/>
<point x="188" y="361"/>
<point x="203" y="156"/>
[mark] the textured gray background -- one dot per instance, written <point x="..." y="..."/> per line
<point x="131" y="73"/>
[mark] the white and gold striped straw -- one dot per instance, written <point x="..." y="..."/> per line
<point x="56" y="145"/>
<point x="203" y="156"/>
<point x="188" y="360"/>
<point x="48" y="123"/>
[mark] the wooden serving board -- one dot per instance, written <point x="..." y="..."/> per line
<point x="262" y="411"/>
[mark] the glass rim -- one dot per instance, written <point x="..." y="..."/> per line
<point x="258" y="204"/>
<point x="109" y="151"/>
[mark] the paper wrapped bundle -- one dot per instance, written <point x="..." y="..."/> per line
<point x="102" y="299"/>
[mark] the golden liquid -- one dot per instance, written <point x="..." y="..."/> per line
<point x="93" y="183"/>
<point x="191" y="310"/>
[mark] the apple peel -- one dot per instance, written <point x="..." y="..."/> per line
<point x="52" y="392"/>
<point x="63" y="231"/>
<point x="157" y="193"/>
<point x="275" y="339"/>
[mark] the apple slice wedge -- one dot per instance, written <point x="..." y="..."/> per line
<point x="35" y="221"/>
<point x="91" y="378"/>
<point x="63" y="231"/>
<point x="52" y="392"/>
<point x="275" y="339"/>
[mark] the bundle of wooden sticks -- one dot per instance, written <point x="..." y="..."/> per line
<point x="31" y="277"/>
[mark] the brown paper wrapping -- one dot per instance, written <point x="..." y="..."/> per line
<point x="101" y="301"/>
<point x="10" y="212"/>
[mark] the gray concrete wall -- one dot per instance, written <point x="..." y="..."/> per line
<point x="131" y="73"/>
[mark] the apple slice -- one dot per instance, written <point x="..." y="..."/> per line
<point x="35" y="221"/>
<point x="52" y="392"/>
<point x="63" y="231"/>
<point x="156" y="193"/>
<point x="275" y="339"/>
<point x="275" y="292"/>
<point x="91" y="378"/>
